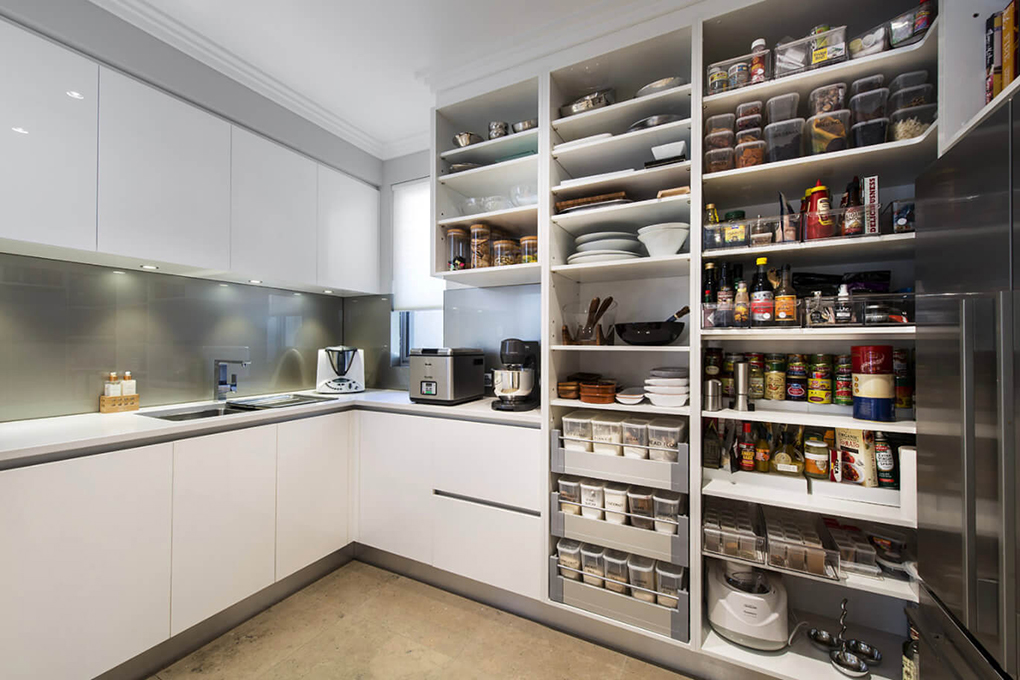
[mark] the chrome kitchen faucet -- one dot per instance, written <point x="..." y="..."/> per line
<point x="221" y="385"/>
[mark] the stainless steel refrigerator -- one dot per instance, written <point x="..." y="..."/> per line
<point x="968" y="270"/>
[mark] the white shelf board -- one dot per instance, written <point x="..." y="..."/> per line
<point x="622" y="115"/>
<point x="641" y="184"/>
<point x="891" y="63"/>
<point x="620" y="348"/>
<point x="633" y="215"/>
<point x="802" y="661"/>
<point x="645" y="407"/>
<point x="896" y="163"/>
<point x="834" y="333"/>
<point x="522" y="220"/>
<point x="888" y="587"/>
<point x="491" y="150"/>
<point x="816" y="418"/>
<point x="493" y="180"/>
<point x="628" y="150"/>
<point x="828" y="251"/>
<point x="627" y="270"/>
<point x="744" y="489"/>
<point x="509" y="275"/>
<point x="982" y="114"/>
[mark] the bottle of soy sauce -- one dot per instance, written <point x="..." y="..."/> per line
<point x="762" y="298"/>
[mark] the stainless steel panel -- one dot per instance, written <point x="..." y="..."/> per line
<point x="947" y="651"/>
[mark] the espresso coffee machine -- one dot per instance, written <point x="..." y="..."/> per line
<point x="516" y="384"/>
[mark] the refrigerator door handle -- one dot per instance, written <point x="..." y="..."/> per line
<point x="967" y="409"/>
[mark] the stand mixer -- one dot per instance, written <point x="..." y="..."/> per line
<point x="516" y="384"/>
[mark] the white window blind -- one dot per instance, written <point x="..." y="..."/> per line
<point x="413" y="285"/>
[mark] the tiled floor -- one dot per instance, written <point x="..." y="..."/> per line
<point x="362" y="622"/>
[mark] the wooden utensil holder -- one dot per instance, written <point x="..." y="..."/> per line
<point x="119" y="404"/>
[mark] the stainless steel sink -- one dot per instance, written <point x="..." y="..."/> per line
<point x="237" y="406"/>
<point x="195" y="413"/>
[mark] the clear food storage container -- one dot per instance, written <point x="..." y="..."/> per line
<point x="670" y="581"/>
<point x="616" y="501"/>
<point x="828" y="132"/>
<point x="719" y="140"/>
<point x="749" y="135"/>
<point x="749" y="109"/>
<point x="866" y="84"/>
<point x="912" y="122"/>
<point x="734" y="529"/>
<point x="737" y="72"/>
<point x="750" y="154"/>
<point x="748" y="122"/>
<point x="616" y="571"/>
<point x="870" y="42"/>
<point x="568" y="553"/>
<point x="735" y="230"/>
<point x="642" y="575"/>
<point x="665" y="436"/>
<point x="713" y="237"/>
<point x="593" y="563"/>
<point x="918" y="95"/>
<point x="577" y="426"/>
<point x="827" y="98"/>
<point x="570" y="495"/>
<point x="593" y="498"/>
<point x="869" y="105"/>
<point x="782" y="107"/>
<point x="641" y="508"/>
<point x="906" y="30"/>
<point x="718" y="160"/>
<point x="814" y="51"/>
<point x="908" y="79"/>
<point x="667" y="507"/>
<point x="783" y="140"/>
<point x="719" y="123"/>
<point x="635" y="433"/>
<point x="869" y="132"/>
<point x="607" y="431"/>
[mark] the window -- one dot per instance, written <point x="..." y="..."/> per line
<point x="420" y="328"/>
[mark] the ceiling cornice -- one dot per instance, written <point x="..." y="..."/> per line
<point x="160" y="25"/>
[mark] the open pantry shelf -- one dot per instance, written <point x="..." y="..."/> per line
<point x="618" y="117"/>
<point x="819" y="418"/>
<point x="632" y="215"/>
<point x="642" y="471"/>
<point x="821" y="252"/>
<point x="493" y="150"/>
<point x="620" y="348"/>
<point x="509" y="275"/>
<point x="493" y="179"/>
<point x="802" y="660"/>
<point x="888" y="587"/>
<point x="818" y="333"/>
<point x="891" y="63"/>
<point x="628" y="150"/>
<point x="640" y="184"/>
<point x="522" y="220"/>
<point x="640" y="408"/>
<point x="627" y="270"/>
<point x="895" y="163"/>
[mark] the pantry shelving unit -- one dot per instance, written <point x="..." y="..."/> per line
<point x="652" y="288"/>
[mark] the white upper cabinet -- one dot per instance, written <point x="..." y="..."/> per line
<point x="348" y="245"/>
<point x="273" y="211"/>
<point x="47" y="142"/>
<point x="164" y="177"/>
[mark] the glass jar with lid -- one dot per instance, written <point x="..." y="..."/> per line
<point x="458" y="253"/>
<point x="504" y="252"/>
<point x="529" y="249"/>
<point x="480" y="253"/>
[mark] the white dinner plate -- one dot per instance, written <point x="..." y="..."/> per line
<point x="601" y="256"/>
<point x="599" y="235"/>
<point x="657" y="389"/>
<point x="631" y="246"/>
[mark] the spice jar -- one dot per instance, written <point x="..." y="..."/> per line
<point x="759" y="52"/>
<point x="820" y="379"/>
<point x="529" y="249"/>
<point x="480" y="254"/>
<point x="504" y="253"/>
<point x="816" y="459"/>
<point x="458" y="255"/>
<point x="775" y="377"/>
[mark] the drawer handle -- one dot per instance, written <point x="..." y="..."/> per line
<point x="482" y="501"/>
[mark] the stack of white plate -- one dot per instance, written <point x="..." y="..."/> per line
<point x="664" y="239"/>
<point x="668" y="386"/>
<point x="602" y="246"/>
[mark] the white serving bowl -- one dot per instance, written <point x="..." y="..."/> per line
<point x="659" y="389"/>
<point x="664" y="242"/>
<point x="667" y="400"/>
<point x="664" y="225"/>
<point x="668" y="382"/>
<point x="629" y="244"/>
<point x="631" y="396"/>
<point x="671" y="150"/>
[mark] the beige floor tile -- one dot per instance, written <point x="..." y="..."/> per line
<point x="633" y="669"/>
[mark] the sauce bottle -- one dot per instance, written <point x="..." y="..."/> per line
<point x="786" y="300"/>
<point x="724" y="298"/>
<point x="762" y="453"/>
<point x="746" y="448"/>
<point x="708" y="294"/>
<point x="741" y="306"/>
<point x="844" y="310"/>
<point x="762" y="300"/>
<point x="758" y="53"/>
<point x="819" y="222"/>
<point x="852" y="223"/>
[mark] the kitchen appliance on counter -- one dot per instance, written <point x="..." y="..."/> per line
<point x="447" y="375"/>
<point x="516" y="384"/>
<point x="747" y="606"/>
<point x="340" y="370"/>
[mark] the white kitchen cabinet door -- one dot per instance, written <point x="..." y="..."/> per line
<point x="501" y="548"/>
<point x="86" y="563"/>
<point x="164" y="177"/>
<point x="48" y="127"/>
<point x="312" y="490"/>
<point x="496" y="463"/>
<point x="273" y="197"/>
<point x="395" y="490"/>
<point x="348" y="246"/>
<point x="224" y="522"/>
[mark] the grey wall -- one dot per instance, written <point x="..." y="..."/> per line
<point x="64" y="325"/>
<point x="102" y="36"/>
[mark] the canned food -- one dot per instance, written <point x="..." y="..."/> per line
<point x="739" y="74"/>
<point x="755" y="359"/>
<point x="756" y="383"/>
<point x="796" y="387"/>
<point x="718" y="80"/>
<point x="873" y="387"/>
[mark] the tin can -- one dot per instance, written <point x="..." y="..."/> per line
<point x="820" y="379"/>
<point x="756" y="384"/>
<point x="755" y="359"/>
<point x="873" y="389"/>
<point x="796" y="365"/>
<point x="713" y="362"/>
<point x="796" y="387"/>
<point x="775" y="377"/>
<point x="729" y="385"/>
<point x="901" y="363"/>
<point x="729" y="361"/>
<point x="739" y="74"/>
<point x="904" y="392"/>
<point x="843" y="389"/>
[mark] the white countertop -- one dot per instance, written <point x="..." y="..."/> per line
<point x="29" y="442"/>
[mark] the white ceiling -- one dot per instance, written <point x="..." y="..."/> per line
<point x="366" y="70"/>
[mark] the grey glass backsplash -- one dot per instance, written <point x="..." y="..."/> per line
<point x="64" y="325"/>
<point x="482" y="317"/>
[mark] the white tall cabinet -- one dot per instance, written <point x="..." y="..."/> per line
<point x="224" y="521"/>
<point x="273" y="197"/>
<point x="348" y="233"/>
<point x="164" y="177"/>
<point x="86" y="563"/>
<point x="48" y="118"/>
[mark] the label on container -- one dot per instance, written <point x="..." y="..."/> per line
<point x="746" y="456"/>
<point x="885" y="461"/>
<point x="823" y="55"/>
<point x="820" y="390"/>
<point x="796" y="389"/>
<point x="762" y="306"/>
<point x="867" y="386"/>
<point x="786" y="467"/>
<point x="844" y="391"/>
<point x="786" y="308"/>
<point x="775" y="385"/>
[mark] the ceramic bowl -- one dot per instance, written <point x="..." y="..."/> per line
<point x="659" y="389"/>
<point x="627" y="244"/>
<point x="668" y="382"/>
<point x="664" y="242"/>
<point x="667" y="400"/>
<point x="659" y="226"/>
<point x="649" y="333"/>
<point x="631" y="396"/>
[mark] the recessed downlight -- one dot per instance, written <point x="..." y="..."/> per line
<point x="254" y="280"/>
<point x="297" y="294"/>
<point x="328" y="292"/>
<point x="75" y="95"/>
<point x="224" y="285"/>
<point x="117" y="271"/>
<point x="20" y="130"/>
<point x="149" y="267"/>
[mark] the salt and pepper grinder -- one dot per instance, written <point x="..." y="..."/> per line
<point x="742" y="387"/>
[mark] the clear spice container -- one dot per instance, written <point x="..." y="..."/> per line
<point x="458" y="254"/>
<point x="529" y="249"/>
<point x="504" y="253"/>
<point x="480" y="254"/>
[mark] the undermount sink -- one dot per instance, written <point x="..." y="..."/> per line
<point x="236" y="406"/>
<point x="195" y="413"/>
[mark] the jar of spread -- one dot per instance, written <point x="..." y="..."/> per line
<point x="756" y="385"/>
<point x="796" y="378"/>
<point x="816" y="459"/>
<point x="713" y="362"/>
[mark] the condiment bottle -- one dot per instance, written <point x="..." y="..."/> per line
<point x="787" y="461"/>
<point x="724" y="298"/>
<point x="885" y="459"/>
<point x="853" y="217"/>
<point x="762" y="301"/>
<point x="844" y="310"/>
<point x="746" y="448"/>
<point x="786" y="300"/>
<point x="712" y="214"/>
<point x="741" y="306"/>
<point x="708" y="295"/>
<point x="758" y="53"/>
<point x="819" y="213"/>
<point x="762" y="452"/>
<point x="816" y="459"/>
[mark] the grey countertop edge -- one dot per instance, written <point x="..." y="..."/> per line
<point x="139" y="430"/>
